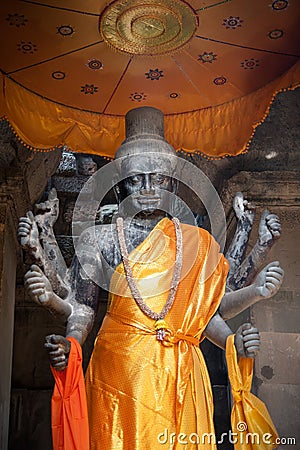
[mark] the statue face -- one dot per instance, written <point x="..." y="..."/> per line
<point x="146" y="185"/>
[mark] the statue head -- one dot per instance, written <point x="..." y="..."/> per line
<point x="146" y="163"/>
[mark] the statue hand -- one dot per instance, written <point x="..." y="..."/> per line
<point x="269" y="228"/>
<point x="28" y="235"/>
<point x="247" y="341"/>
<point x="38" y="286"/>
<point x="58" y="348"/>
<point x="242" y="208"/>
<point x="269" y="280"/>
<point x="48" y="210"/>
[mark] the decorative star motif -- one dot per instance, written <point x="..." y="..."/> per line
<point x="27" y="47"/>
<point x="276" y="34"/>
<point x="219" y="81"/>
<point x="89" y="89"/>
<point x="232" y="22"/>
<point x="250" y="63"/>
<point x="207" y="57"/>
<point x="174" y="95"/>
<point x="94" y="64"/>
<point x="279" y="5"/>
<point x="138" y="96"/>
<point x="58" y="75"/>
<point x="65" y="30"/>
<point x="16" y="20"/>
<point x="154" y="74"/>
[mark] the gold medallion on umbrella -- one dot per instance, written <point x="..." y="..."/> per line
<point x="148" y="27"/>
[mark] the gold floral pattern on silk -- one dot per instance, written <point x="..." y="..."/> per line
<point x="148" y="27"/>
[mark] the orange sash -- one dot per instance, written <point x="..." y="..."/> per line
<point x="70" y="429"/>
<point x="251" y="423"/>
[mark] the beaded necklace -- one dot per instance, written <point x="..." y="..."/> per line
<point x="160" y="325"/>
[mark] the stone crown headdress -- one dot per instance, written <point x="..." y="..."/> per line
<point x="144" y="133"/>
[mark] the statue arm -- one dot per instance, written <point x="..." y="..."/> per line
<point x="85" y="293"/>
<point x="40" y="290"/>
<point x="48" y="212"/>
<point x="269" y="231"/>
<point x="247" y="340"/>
<point x="266" y="285"/>
<point x="244" y="212"/>
<point x="29" y="237"/>
<point x="78" y="309"/>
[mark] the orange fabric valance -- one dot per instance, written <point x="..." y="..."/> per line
<point x="72" y="70"/>
<point x="216" y="131"/>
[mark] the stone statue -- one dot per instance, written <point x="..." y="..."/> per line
<point x="146" y="178"/>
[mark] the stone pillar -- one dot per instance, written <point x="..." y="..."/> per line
<point x="23" y="177"/>
<point x="8" y="262"/>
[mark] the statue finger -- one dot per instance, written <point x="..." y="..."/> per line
<point x="38" y="293"/>
<point x="272" y="216"/>
<point x="274" y="276"/>
<point x="277" y="269"/>
<point x="58" y="359"/>
<point x="62" y="341"/>
<point x="25" y="219"/>
<point x="255" y="340"/>
<point x="23" y="232"/>
<point x="276" y="234"/>
<point x="36" y="269"/>
<point x="32" y="277"/>
<point x="272" y="287"/>
<point x="52" y="347"/>
<point x="30" y="216"/>
<point x="252" y="354"/>
<point x="272" y="264"/>
<point x="44" y="298"/>
<point x="250" y="332"/>
<point x="58" y="352"/>
<point x="274" y="226"/>
<point x="37" y="285"/>
<point x="60" y="366"/>
<point x="245" y="326"/>
<point x="52" y="194"/>
<point x="264" y="215"/>
<point x="24" y="228"/>
<point x="254" y="348"/>
<point x="25" y="223"/>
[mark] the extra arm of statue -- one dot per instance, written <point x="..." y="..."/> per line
<point x="246" y="340"/>
<point x="265" y="285"/>
<point x="244" y="212"/>
<point x="36" y="229"/>
<point x="78" y="309"/>
<point x="47" y="215"/>
<point x="269" y="232"/>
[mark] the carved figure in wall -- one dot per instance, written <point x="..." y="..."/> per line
<point x="147" y="373"/>
<point x="86" y="165"/>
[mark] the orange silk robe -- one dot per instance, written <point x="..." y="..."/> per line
<point x="137" y="387"/>
<point x="143" y="393"/>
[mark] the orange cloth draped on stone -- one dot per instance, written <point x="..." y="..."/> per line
<point x="249" y="414"/>
<point x="215" y="131"/>
<point x="139" y="389"/>
<point x="70" y="429"/>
